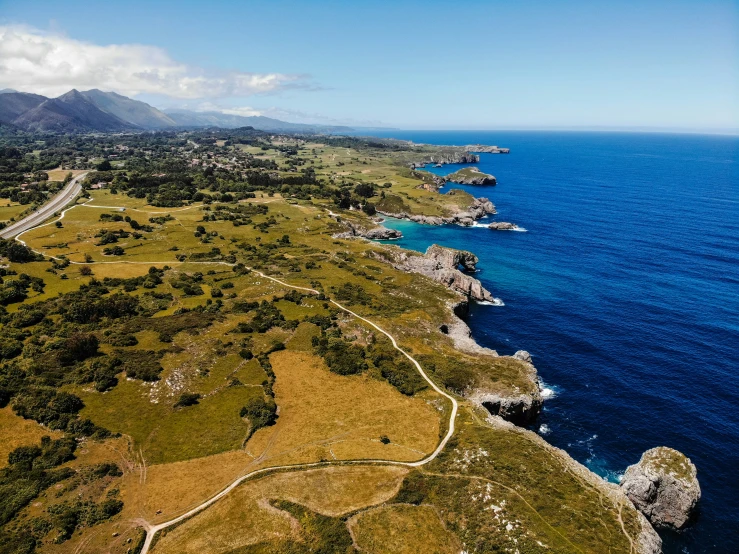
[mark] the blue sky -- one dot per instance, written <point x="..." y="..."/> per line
<point x="472" y="65"/>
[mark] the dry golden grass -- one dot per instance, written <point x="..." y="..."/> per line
<point x="59" y="174"/>
<point x="11" y="210"/>
<point x="245" y="516"/>
<point x="16" y="431"/>
<point x="174" y="488"/>
<point x="345" y="415"/>
<point x="402" y="529"/>
<point x="110" y="537"/>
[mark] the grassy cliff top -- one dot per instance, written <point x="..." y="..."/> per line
<point x="149" y="342"/>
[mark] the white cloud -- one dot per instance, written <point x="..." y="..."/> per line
<point x="244" y="111"/>
<point x="52" y="64"/>
<point x="284" y="114"/>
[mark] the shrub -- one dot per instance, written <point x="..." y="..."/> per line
<point x="140" y="364"/>
<point x="260" y="412"/>
<point x="341" y="356"/>
<point x="187" y="399"/>
<point x="77" y="348"/>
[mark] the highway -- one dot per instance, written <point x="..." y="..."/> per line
<point x="58" y="202"/>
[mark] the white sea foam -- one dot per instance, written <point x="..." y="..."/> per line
<point x="544" y="429"/>
<point x="495" y="302"/>
<point x="485" y="226"/>
<point x="547" y="391"/>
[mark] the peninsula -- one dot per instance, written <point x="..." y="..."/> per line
<point x="213" y="349"/>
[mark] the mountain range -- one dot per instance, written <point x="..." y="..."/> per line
<point x="98" y="111"/>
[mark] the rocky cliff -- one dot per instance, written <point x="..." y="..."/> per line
<point x="470" y="176"/>
<point x="664" y="487"/>
<point x="519" y="407"/>
<point x="480" y="207"/>
<point x="442" y="265"/>
<point x="487" y="149"/>
<point x="373" y="233"/>
<point x="443" y="158"/>
<point x="503" y="226"/>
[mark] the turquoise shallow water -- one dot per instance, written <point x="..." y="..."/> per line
<point x="625" y="289"/>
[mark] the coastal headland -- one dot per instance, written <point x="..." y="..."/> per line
<point x="224" y="354"/>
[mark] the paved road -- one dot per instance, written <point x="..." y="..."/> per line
<point x="64" y="197"/>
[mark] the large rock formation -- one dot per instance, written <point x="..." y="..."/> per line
<point x="486" y="149"/>
<point x="479" y="208"/>
<point x="442" y="158"/>
<point x="354" y="229"/>
<point x="503" y="226"/>
<point x="471" y="176"/>
<point x="518" y="404"/>
<point x="442" y="265"/>
<point x="521" y="408"/>
<point x="664" y="487"/>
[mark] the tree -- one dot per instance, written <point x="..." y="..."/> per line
<point x="260" y="412"/>
<point x="78" y="347"/>
<point x="364" y="189"/>
<point x="104" y="166"/>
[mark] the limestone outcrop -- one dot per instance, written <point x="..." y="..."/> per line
<point x="664" y="487"/>
<point x="461" y="334"/>
<point x="481" y="148"/>
<point x="479" y="208"/>
<point x="503" y="226"/>
<point x="442" y="265"/>
<point x="443" y="158"/>
<point x="521" y="408"/>
<point x="374" y="233"/>
<point x="471" y="176"/>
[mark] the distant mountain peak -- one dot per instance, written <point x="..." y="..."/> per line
<point x="97" y="110"/>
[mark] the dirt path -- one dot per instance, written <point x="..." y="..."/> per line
<point x="152" y="530"/>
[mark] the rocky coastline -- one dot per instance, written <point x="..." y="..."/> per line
<point x="503" y="226"/>
<point x="470" y="176"/>
<point x="521" y="408"/>
<point x="443" y="266"/>
<point x="439" y="159"/>
<point x="374" y="233"/>
<point x="482" y="148"/>
<point x="663" y="486"/>
<point x="479" y="208"/>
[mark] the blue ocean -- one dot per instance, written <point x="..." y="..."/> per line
<point x="625" y="289"/>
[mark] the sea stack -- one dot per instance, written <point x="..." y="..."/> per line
<point x="503" y="226"/>
<point x="664" y="487"/>
<point x="470" y="176"/>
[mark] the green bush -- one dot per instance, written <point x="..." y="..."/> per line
<point x="187" y="399"/>
<point x="260" y="412"/>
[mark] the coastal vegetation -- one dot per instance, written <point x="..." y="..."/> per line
<point x="198" y="316"/>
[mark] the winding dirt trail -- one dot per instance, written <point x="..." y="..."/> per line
<point x="152" y="530"/>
